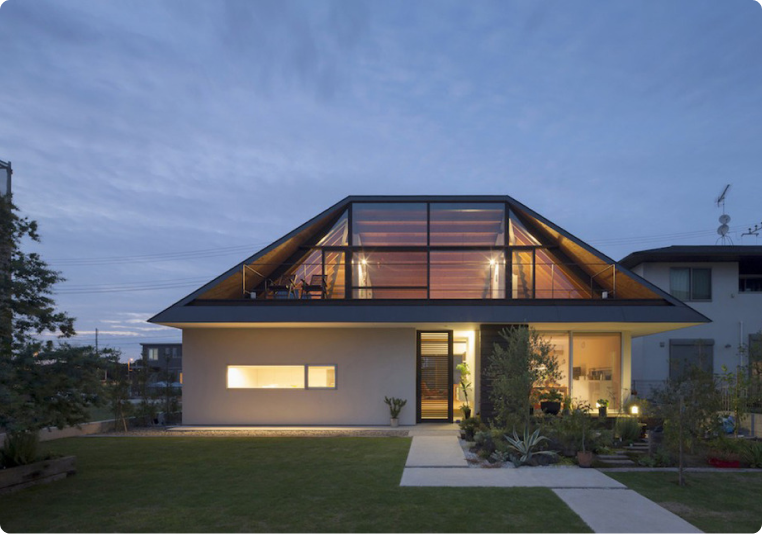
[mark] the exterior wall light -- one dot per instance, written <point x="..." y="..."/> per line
<point x="634" y="410"/>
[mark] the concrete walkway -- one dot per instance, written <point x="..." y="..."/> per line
<point x="436" y="459"/>
<point x="621" y="510"/>
<point x="509" y="477"/>
<point x="435" y="451"/>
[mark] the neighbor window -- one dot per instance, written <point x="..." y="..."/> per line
<point x="690" y="284"/>
<point x="281" y="376"/>
<point x="153" y="354"/>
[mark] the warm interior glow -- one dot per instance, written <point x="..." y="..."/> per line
<point x="634" y="410"/>
<point x="266" y="377"/>
<point x="321" y="376"/>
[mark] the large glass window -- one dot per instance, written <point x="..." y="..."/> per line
<point x="335" y="274"/>
<point x="518" y="233"/>
<point x="337" y="236"/>
<point x="522" y="277"/>
<point x="690" y="284"/>
<point x="389" y="224"/>
<point x="467" y="275"/>
<point x="596" y="369"/>
<point x="475" y="225"/>
<point x="389" y="275"/>
<point x="560" y="345"/>
<point x="555" y="280"/>
<point x="441" y="250"/>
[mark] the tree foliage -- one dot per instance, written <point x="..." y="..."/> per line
<point x="522" y="362"/>
<point x="41" y="384"/>
<point x="26" y="286"/>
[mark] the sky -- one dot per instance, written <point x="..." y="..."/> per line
<point x="159" y="143"/>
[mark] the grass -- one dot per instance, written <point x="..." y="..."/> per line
<point x="713" y="502"/>
<point x="265" y="484"/>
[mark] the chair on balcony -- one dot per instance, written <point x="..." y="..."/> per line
<point x="282" y="287"/>
<point x="316" y="286"/>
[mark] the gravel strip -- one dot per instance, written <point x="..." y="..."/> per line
<point x="249" y="433"/>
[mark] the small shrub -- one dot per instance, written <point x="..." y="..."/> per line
<point x="470" y="426"/>
<point x="20" y="448"/>
<point x="526" y="448"/>
<point x="627" y="428"/>
<point x="752" y="454"/>
<point x="659" y="459"/>
<point x="499" y="457"/>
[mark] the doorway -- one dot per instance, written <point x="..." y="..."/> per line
<point x="434" y="377"/>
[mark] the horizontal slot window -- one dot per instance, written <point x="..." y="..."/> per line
<point x="281" y="376"/>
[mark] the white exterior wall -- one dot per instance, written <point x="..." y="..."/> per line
<point x="734" y="316"/>
<point x="371" y="363"/>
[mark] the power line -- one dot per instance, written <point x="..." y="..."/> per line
<point x="150" y="258"/>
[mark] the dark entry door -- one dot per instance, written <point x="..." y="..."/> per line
<point x="435" y="377"/>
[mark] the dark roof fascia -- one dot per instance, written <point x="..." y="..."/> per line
<point x="396" y="312"/>
<point x="185" y="300"/>
<point x="692" y="254"/>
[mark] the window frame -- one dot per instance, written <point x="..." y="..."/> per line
<point x="691" y="292"/>
<point x="306" y="370"/>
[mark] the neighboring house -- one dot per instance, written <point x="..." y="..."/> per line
<point x="384" y="296"/>
<point x="724" y="283"/>
<point x="163" y="358"/>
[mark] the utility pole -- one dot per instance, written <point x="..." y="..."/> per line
<point x="6" y="252"/>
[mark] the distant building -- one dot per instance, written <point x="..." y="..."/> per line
<point x="164" y="357"/>
<point x="723" y="283"/>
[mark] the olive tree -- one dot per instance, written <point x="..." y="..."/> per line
<point x="522" y="361"/>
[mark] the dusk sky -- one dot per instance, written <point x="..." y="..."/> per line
<point x="158" y="143"/>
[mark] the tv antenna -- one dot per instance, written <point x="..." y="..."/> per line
<point x="753" y="231"/>
<point x="723" y="229"/>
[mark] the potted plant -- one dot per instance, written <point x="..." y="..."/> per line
<point x="465" y="385"/>
<point x="567" y="401"/>
<point x="603" y="405"/>
<point x="550" y="401"/>
<point x="395" y="407"/>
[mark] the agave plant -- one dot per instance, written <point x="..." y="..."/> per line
<point x="525" y="449"/>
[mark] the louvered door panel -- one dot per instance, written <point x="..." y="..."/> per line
<point x="435" y="376"/>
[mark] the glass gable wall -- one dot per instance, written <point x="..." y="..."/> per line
<point x="434" y="250"/>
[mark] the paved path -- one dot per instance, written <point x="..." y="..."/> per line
<point x="509" y="477"/>
<point x="435" y="451"/>
<point x="622" y="510"/>
<point x="606" y="505"/>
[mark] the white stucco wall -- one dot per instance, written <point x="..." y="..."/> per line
<point x="371" y="363"/>
<point x="734" y="316"/>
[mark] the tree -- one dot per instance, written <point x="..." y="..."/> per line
<point x="26" y="285"/>
<point x="689" y="406"/>
<point x="41" y="384"/>
<point x="524" y="361"/>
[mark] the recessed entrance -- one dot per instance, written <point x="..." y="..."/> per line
<point x="435" y="375"/>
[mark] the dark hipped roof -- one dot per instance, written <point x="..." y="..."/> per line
<point x="693" y="253"/>
<point x="208" y="304"/>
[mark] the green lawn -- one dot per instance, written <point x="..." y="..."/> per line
<point x="714" y="502"/>
<point x="265" y="484"/>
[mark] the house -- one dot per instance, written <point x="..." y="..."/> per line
<point x="384" y="295"/>
<point x="723" y="283"/>
<point x="165" y="357"/>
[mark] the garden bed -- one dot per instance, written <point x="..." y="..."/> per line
<point x="24" y="476"/>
